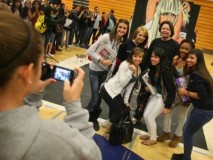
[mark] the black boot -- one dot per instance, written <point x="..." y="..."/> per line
<point x="177" y="157"/>
<point x="93" y="117"/>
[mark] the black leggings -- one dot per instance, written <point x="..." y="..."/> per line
<point x="116" y="105"/>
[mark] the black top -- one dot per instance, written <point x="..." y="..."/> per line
<point x="124" y="52"/>
<point x="166" y="76"/>
<point x="171" y="48"/>
<point x="197" y="84"/>
<point x="125" y="49"/>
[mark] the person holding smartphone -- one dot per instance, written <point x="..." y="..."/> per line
<point x="98" y="74"/>
<point x="116" y="91"/>
<point x="23" y="134"/>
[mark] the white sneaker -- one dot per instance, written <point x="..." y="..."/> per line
<point x="51" y="55"/>
<point x="104" y="124"/>
<point x="70" y="46"/>
<point x="134" y="120"/>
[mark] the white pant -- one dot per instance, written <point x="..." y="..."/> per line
<point x="182" y="115"/>
<point x="154" y="107"/>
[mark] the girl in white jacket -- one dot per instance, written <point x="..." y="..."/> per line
<point x="116" y="91"/>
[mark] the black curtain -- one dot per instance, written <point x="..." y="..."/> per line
<point x="193" y="20"/>
<point x="139" y="16"/>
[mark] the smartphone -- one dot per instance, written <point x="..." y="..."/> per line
<point x="62" y="74"/>
<point x="46" y="71"/>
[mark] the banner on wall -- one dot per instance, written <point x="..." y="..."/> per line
<point x="153" y="12"/>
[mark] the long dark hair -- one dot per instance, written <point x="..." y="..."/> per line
<point x="163" y="65"/>
<point x="201" y="70"/>
<point x="13" y="7"/>
<point x="112" y="35"/>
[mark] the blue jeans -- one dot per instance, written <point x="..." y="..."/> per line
<point x="196" y="120"/>
<point x="96" y="78"/>
<point x="72" y="33"/>
<point x="88" y="35"/>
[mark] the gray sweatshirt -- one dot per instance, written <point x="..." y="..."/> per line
<point x="23" y="135"/>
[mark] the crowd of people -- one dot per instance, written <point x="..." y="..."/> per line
<point x="63" y="25"/>
<point x="111" y="79"/>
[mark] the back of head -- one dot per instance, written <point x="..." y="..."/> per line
<point x="20" y="45"/>
<point x="4" y="7"/>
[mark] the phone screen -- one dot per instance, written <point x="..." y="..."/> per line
<point x="62" y="74"/>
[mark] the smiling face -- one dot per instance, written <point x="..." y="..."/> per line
<point x="122" y="29"/>
<point x="191" y="61"/>
<point x="137" y="58"/>
<point x="155" y="60"/>
<point x="184" y="49"/>
<point x="140" y="38"/>
<point x="165" y="32"/>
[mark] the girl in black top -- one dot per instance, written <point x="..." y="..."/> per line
<point x="139" y="39"/>
<point x="200" y="91"/>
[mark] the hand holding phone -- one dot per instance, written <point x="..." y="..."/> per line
<point x="73" y="91"/>
<point x="46" y="71"/>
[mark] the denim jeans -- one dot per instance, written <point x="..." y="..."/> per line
<point x="96" y="78"/>
<point x="88" y="35"/>
<point x="196" y="120"/>
<point x="72" y="33"/>
<point x="67" y="34"/>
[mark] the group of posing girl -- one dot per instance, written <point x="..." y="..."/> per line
<point x="127" y="69"/>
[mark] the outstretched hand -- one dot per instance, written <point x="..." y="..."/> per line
<point x="73" y="92"/>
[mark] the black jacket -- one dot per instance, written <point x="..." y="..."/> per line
<point x="198" y="84"/>
<point x="166" y="76"/>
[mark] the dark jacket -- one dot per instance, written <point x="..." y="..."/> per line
<point x="125" y="50"/>
<point x="166" y="76"/>
<point x="198" y="84"/>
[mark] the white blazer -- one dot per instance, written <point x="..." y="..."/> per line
<point x="116" y="85"/>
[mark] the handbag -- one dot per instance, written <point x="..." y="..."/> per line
<point x="121" y="132"/>
<point x="142" y="100"/>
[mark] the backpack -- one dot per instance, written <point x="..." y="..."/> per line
<point x="40" y="25"/>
